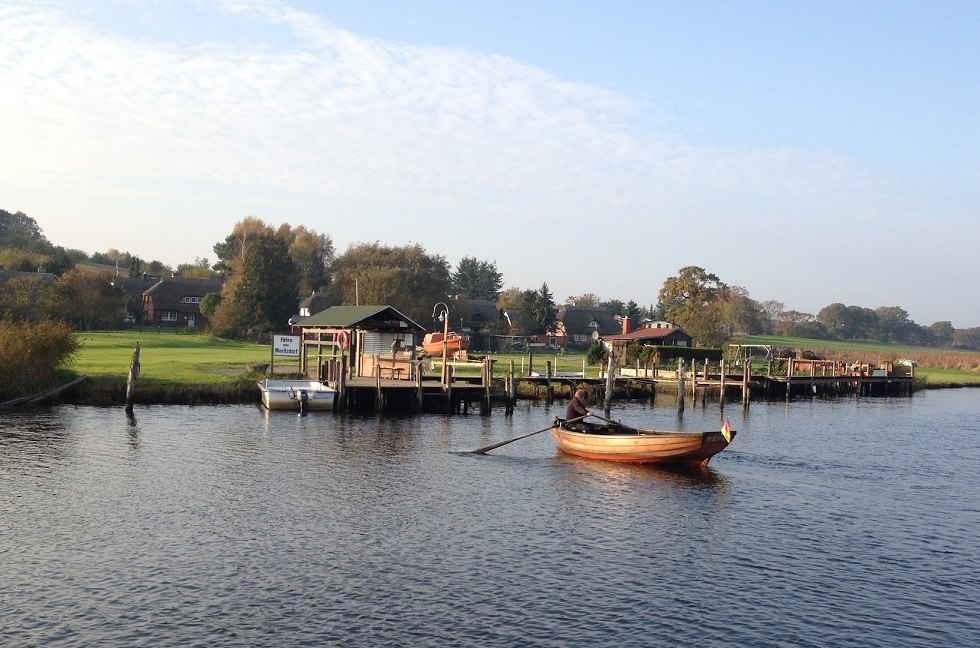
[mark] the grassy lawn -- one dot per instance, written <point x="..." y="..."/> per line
<point x="166" y="356"/>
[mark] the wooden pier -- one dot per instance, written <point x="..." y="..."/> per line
<point x="420" y="393"/>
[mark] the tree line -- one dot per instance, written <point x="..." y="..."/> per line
<point x="267" y="270"/>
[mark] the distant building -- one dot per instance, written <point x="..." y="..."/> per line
<point x="176" y="301"/>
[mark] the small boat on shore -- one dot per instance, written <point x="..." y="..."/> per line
<point x="299" y="395"/>
<point x="455" y="344"/>
<point x="617" y="442"/>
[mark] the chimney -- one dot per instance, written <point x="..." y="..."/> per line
<point x="626" y="324"/>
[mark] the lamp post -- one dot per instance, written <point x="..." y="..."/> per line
<point x="444" y="318"/>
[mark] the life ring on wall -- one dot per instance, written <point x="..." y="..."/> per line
<point x="342" y="340"/>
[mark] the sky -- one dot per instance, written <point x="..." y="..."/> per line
<point x="809" y="152"/>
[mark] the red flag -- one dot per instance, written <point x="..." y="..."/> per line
<point x="726" y="431"/>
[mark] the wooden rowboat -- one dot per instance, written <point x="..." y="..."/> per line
<point x="616" y="442"/>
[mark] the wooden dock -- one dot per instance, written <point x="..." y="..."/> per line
<point x="494" y="389"/>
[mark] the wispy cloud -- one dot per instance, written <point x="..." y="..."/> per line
<point x="304" y="119"/>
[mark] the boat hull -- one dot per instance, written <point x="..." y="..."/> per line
<point x="300" y="395"/>
<point x="642" y="446"/>
<point x="455" y="344"/>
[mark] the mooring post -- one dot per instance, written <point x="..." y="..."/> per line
<point x="511" y="390"/>
<point x="746" y="377"/>
<point x="549" y="390"/>
<point x="341" y="402"/>
<point x="721" y="385"/>
<point x="131" y="378"/>
<point x="680" y="385"/>
<point x="610" y="383"/>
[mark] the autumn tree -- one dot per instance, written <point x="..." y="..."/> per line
<point x="405" y="277"/>
<point x="693" y="300"/>
<point x="312" y="253"/>
<point x="474" y="279"/>
<point x="588" y="300"/>
<point x="87" y="301"/>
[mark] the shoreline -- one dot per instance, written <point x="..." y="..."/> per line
<point x="105" y="391"/>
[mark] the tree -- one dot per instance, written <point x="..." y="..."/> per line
<point x="510" y="299"/>
<point x="200" y="269"/>
<point x="87" y="301"/>
<point x="613" y="306"/>
<point x="538" y="312"/>
<point x="474" y="279"/>
<point x="769" y="311"/>
<point x="739" y="313"/>
<point x="312" y="253"/>
<point x="944" y="333"/>
<point x="24" y="299"/>
<point x="405" y="277"/>
<point x="264" y="295"/>
<point x="693" y="301"/>
<point x="588" y="300"/>
<point x="894" y="324"/>
<point x="209" y="304"/>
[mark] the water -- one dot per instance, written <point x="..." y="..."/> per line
<point x="846" y="523"/>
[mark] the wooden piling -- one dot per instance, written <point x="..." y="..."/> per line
<point x="131" y="378"/>
<point x="680" y="386"/>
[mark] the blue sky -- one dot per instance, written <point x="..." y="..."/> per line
<point x="810" y="152"/>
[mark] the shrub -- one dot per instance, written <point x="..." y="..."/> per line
<point x="30" y="354"/>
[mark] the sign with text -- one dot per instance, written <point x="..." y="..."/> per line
<point x="286" y="345"/>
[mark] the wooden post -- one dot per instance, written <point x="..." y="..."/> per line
<point x="549" y="390"/>
<point x="341" y="402"/>
<point x="721" y="385"/>
<point x="418" y="383"/>
<point x="511" y="390"/>
<point x="746" y="375"/>
<point x="131" y="378"/>
<point x="680" y="385"/>
<point x="488" y="380"/>
<point x="694" y="381"/>
<point x="610" y="384"/>
<point x="448" y="387"/>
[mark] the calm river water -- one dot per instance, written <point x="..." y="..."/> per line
<point x="853" y="522"/>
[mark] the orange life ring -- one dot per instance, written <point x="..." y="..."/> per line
<point x="342" y="340"/>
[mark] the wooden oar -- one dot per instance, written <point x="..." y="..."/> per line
<point x="488" y="448"/>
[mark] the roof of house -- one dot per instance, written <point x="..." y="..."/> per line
<point x="364" y="317"/>
<point x="169" y="291"/>
<point x="578" y="319"/>
<point x="651" y="333"/>
<point x="315" y="303"/>
<point x="475" y="313"/>
<point x="134" y="287"/>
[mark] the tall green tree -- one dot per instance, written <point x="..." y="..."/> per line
<point x="406" y="277"/>
<point x="693" y="300"/>
<point x="474" y="279"/>
<point x="538" y="312"/>
<point x="264" y="296"/>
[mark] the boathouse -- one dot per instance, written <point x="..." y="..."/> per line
<point x="373" y="341"/>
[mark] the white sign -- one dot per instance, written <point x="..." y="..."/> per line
<point x="285" y="345"/>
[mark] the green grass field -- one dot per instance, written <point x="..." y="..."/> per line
<point x="167" y="357"/>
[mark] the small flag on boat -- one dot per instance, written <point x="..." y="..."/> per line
<point x="726" y="431"/>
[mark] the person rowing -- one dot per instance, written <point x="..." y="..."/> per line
<point x="576" y="409"/>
